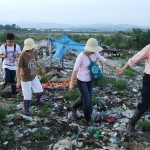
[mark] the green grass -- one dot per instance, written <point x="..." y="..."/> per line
<point x="103" y="81"/>
<point x="45" y="110"/>
<point x="71" y="95"/>
<point x="129" y="72"/>
<point x="6" y="137"/>
<point x="119" y="85"/>
<point x="40" y="134"/>
<point x="145" y="126"/>
<point x="3" y="113"/>
<point x="95" y="101"/>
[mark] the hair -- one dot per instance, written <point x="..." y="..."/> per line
<point x="10" y="36"/>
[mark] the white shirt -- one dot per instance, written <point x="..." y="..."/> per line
<point x="10" y="61"/>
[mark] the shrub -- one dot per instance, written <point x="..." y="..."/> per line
<point x="129" y="72"/>
<point x="145" y="126"/>
<point x="3" y="113"/>
<point x="72" y="95"/>
<point x="103" y="81"/>
<point x="119" y="84"/>
<point x="40" y="134"/>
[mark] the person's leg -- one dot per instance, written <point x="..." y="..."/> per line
<point x="86" y="95"/>
<point x="13" y="81"/>
<point x="78" y="103"/>
<point x="27" y="93"/>
<point x="37" y="89"/>
<point x="143" y="106"/>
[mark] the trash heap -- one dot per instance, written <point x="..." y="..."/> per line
<point x="53" y="128"/>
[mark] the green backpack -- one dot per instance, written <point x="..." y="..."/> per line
<point x="95" y="71"/>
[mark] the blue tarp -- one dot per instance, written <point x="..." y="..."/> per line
<point x="64" y="44"/>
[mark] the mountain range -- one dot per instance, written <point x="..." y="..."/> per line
<point x="98" y="26"/>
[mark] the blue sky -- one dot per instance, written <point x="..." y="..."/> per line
<point x="135" y="12"/>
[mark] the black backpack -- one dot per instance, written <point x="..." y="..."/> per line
<point x="6" y="49"/>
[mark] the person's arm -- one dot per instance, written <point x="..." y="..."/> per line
<point x="122" y="70"/>
<point x="17" y="52"/>
<point x="40" y="67"/>
<point x="16" y="55"/>
<point x="73" y="77"/>
<point x="18" y="77"/>
<point x="2" y="53"/>
<point x="108" y="63"/>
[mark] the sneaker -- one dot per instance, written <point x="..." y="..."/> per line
<point x="26" y="113"/>
<point x="131" y="129"/>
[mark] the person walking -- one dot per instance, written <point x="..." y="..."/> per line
<point x="9" y="52"/>
<point x="144" y="105"/>
<point x="26" y="75"/>
<point x="84" y="81"/>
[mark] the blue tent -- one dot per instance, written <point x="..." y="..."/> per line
<point x="64" y="44"/>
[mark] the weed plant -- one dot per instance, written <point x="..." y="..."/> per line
<point x="71" y="95"/>
<point x="145" y="126"/>
<point x="119" y="85"/>
<point x="40" y="134"/>
<point x="129" y="72"/>
<point x="3" y="113"/>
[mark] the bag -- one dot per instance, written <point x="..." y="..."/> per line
<point x="95" y="71"/>
<point x="6" y="50"/>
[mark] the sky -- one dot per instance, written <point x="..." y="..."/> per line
<point x="75" y="12"/>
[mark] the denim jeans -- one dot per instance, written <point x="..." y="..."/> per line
<point x="86" y="89"/>
<point x="144" y="105"/>
<point x="10" y="76"/>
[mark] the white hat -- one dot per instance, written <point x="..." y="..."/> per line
<point x="29" y="44"/>
<point x="92" y="45"/>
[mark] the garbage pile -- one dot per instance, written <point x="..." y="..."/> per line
<point x="52" y="128"/>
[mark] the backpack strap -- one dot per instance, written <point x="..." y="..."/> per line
<point x="14" y="47"/>
<point x="88" y="56"/>
<point x="6" y="47"/>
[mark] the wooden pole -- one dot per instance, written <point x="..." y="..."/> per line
<point x="50" y="50"/>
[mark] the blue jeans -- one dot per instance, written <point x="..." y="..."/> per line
<point x="10" y="76"/>
<point x="86" y="89"/>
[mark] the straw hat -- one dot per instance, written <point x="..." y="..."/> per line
<point x="29" y="44"/>
<point x="92" y="45"/>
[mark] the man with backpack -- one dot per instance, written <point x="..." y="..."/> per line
<point x="9" y="52"/>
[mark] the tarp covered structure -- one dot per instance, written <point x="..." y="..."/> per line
<point x="63" y="45"/>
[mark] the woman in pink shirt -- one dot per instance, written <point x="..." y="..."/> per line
<point x="84" y="81"/>
<point x="143" y="106"/>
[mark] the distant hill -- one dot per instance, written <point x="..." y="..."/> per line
<point x="99" y="26"/>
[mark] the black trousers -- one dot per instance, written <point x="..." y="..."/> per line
<point x="144" y="105"/>
<point x="10" y="76"/>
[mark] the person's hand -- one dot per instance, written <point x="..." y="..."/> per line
<point x="121" y="71"/>
<point x="43" y="71"/>
<point x="15" y="54"/>
<point x="5" y="55"/>
<point x="117" y="70"/>
<point x="71" y="86"/>
<point x="18" y="85"/>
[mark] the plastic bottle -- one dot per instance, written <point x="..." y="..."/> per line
<point x="94" y="113"/>
<point x="97" y="135"/>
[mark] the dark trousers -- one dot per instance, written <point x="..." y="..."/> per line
<point x="144" y="105"/>
<point x="10" y="76"/>
<point x="86" y="89"/>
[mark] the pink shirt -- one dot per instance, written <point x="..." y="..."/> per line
<point x="143" y="54"/>
<point x="82" y="63"/>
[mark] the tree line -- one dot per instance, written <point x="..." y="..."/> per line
<point x="135" y="39"/>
